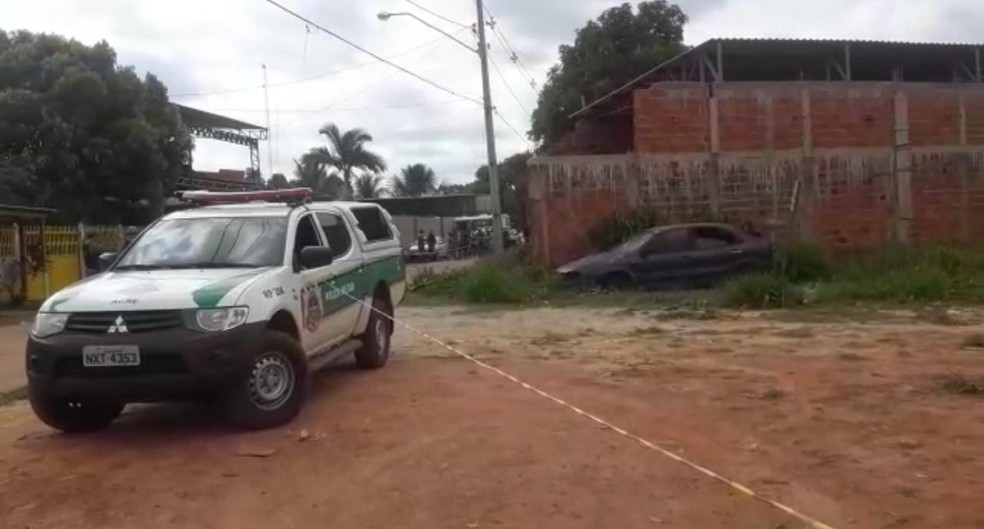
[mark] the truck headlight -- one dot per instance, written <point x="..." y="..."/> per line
<point x="49" y="323"/>
<point x="214" y="320"/>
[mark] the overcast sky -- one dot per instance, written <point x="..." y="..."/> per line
<point x="208" y="46"/>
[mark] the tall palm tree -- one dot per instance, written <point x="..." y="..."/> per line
<point x="346" y="151"/>
<point x="368" y="185"/>
<point x="310" y="172"/>
<point x="414" y="181"/>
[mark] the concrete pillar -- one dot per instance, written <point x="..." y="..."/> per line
<point x="770" y="153"/>
<point x="801" y="218"/>
<point x="714" y="166"/>
<point x="902" y="170"/>
<point x="965" y="161"/>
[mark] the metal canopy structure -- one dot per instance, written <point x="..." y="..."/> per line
<point x="719" y="60"/>
<point x="16" y="213"/>
<point x="203" y="124"/>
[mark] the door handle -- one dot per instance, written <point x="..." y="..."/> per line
<point x="737" y="251"/>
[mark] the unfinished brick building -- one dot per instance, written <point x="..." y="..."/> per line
<point x="851" y="144"/>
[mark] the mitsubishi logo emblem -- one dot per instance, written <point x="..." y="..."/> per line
<point x="118" y="326"/>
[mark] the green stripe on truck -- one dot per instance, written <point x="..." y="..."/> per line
<point x="358" y="283"/>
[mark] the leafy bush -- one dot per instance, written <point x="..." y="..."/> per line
<point x="762" y="291"/>
<point x="488" y="284"/>
<point x="620" y="226"/>
<point x="802" y="262"/>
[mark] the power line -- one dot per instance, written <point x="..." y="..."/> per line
<point x="340" y="109"/>
<point x="513" y="54"/>
<point x="495" y="66"/>
<point x="342" y="99"/>
<point x="438" y="15"/>
<point x="371" y="54"/>
<point x="311" y="78"/>
<point x="514" y="129"/>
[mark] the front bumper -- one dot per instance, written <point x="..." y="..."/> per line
<point x="174" y="364"/>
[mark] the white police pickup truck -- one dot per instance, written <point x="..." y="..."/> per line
<point x="238" y="298"/>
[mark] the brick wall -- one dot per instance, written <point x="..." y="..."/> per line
<point x="871" y="162"/>
<point x="672" y="118"/>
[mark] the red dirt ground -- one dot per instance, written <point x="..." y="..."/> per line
<point x="845" y="421"/>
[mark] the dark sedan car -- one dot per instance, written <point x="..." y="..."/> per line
<point x="677" y="256"/>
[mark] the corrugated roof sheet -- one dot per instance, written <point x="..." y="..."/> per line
<point x="786" y="46"/>
<point x="194" y="117"/>
<point x="835" y="41"/>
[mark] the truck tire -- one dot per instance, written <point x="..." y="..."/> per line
<point x="72" y="415"/>
<point x="375" y="350"/>
<point x="274" y="387"/>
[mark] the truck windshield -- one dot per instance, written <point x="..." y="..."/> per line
<point x="218" y="242"/>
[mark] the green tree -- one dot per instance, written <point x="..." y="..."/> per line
<point x="512" y="185"/>
<point x="414" y="181"/>
<point x="310" y="172"/>
<point x="368" y="185"/>
<point x="82" y="135"/>
<point x="278" y="181"/>
<point x="447" y="188"/>
<point x="607" y="53"/>
<point x="346" y="152"/>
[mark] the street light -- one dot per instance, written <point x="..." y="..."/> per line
<point x="384" y="16"/>
<point x="482" y="52"/>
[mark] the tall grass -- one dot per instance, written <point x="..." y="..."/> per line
<point x="762" y="291"/>
<point x="897" y="274"/>
<point x="507" y="280"/>
<point x="801" y="262"/>
<point x="926" y="273"/>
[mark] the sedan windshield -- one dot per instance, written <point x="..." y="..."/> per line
<point x="218" y="242"/>
<point x="634" y="244"/>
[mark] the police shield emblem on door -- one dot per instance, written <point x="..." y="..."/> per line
<point x="311" y="306"/>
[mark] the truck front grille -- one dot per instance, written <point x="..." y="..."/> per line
<point x="133" y="321"/>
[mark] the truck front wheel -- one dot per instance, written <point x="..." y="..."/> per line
<point x="274" y="388"/>
<point x="72" y="415"/>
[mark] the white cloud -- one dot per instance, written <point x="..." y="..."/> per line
<point x="215" y="45"/>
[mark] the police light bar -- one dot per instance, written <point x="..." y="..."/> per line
<point x="297" y="194"/>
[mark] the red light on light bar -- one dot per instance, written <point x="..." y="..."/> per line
<point x="275" y="195"/>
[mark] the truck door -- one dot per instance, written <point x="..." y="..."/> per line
<point x="345" y="280"/>
<point x="313" y="328"/>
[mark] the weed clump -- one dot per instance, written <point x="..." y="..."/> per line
<point x="762" y="291"/>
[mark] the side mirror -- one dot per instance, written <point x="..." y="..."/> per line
<point x="315" y="256"/>
<point x="106" y="259"/>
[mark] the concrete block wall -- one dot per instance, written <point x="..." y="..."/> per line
<point x="871" y="162"/>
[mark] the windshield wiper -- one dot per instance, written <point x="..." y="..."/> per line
<point x="140" y="267"/>
<point x="215" y="265"/>
<point x="184" y="266"/>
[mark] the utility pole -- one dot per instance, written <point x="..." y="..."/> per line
<point x="483" y="51"/>
<point x="266" y="97"/>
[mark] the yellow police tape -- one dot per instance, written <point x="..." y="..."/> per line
<point x="814" y="523"/>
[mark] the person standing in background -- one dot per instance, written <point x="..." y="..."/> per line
<point x="431" y="242"/>
<point x="90" y="255"/>
<point x="129" y="235"/>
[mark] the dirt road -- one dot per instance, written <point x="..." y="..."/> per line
<point x="843" y="420"/>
